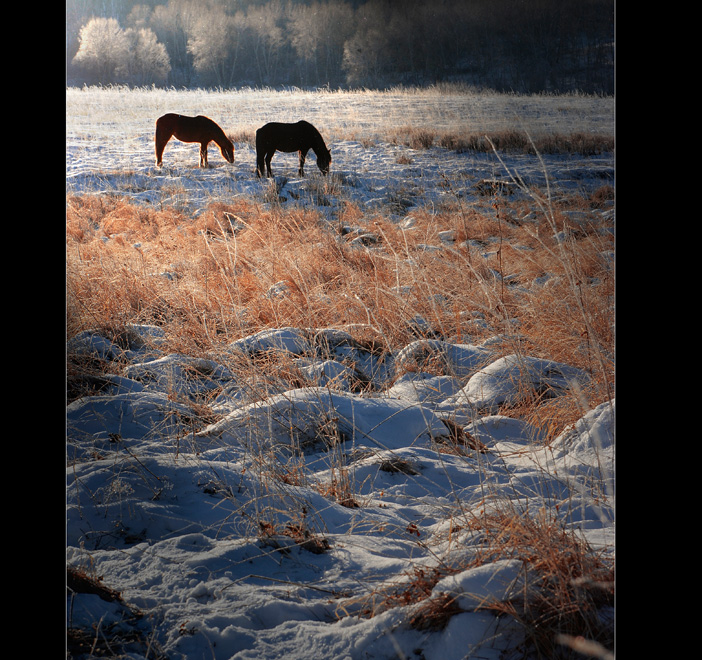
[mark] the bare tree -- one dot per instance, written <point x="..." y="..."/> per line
<point x="265" y="23"/>
<point x="173" y="24"/>
<point x="209" y="44"/>
<point x="318" y="32"/>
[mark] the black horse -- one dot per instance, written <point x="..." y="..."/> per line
<point x="300" y="137"/>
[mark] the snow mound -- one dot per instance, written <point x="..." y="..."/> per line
<point x="510" y="379"/>
<point x="304" y="418"/>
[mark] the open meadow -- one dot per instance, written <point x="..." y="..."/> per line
<point x="362" y="415"/>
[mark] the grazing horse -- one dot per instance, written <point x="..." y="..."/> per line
<point x="300" y="137"/>
<point x="191" y="129"/>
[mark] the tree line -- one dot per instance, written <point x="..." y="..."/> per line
<point x="539" y="45"/>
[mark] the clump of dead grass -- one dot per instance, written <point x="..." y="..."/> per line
<point x="514" y="141"/>
<point x="506" y="141"/>
<point x="413" y="137"/>
<point x="297" y="532"/>
<point x="568" y="583"/>
<point x="105" y="640"/>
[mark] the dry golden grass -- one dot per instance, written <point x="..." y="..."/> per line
<point x="506" y="141"/>
<point x="236" y="269"/>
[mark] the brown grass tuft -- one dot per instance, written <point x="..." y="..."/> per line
<point x="568" y="582"/>
<point x="434" y="613"/>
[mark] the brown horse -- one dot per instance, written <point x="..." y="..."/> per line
<point x="191" y="129"/>
<point x="300" y="137"/>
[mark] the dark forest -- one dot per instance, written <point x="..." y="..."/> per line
<point x="507" y="45"/>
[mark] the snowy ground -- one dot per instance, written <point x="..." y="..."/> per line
<point x="105" y="154"/>
<point x="227" y="538"/>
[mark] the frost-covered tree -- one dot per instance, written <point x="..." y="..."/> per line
<point x="103" y="51"/>
<point x="110" y="54"/>
<point x="139" y="16"/>
<point x="148" y="60"/>
<point x="265" y="24"/>
<point x="368" y="51"/>
<point x="173" y="23"/>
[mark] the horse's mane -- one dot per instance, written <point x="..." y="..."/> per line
<point x="318" y="139"/>
<point x="224" y="135"/>
<point x="216" y="127"/>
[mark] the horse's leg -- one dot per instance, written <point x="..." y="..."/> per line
<point x="160" y="140"/>
<point x="260" y="167"/>
<point x="269" y="156"/>
<point x="303" y="155"/>
<point x="203" y="154"/>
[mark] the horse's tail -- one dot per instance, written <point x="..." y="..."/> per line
<point x="261" y="151"/>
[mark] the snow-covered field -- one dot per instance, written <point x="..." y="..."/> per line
<point x="232" y="540"/>
<point x="110" y="133"/>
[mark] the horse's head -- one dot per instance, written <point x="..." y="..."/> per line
<point x="324" y="161"/>
<point x="228" y="152"/>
